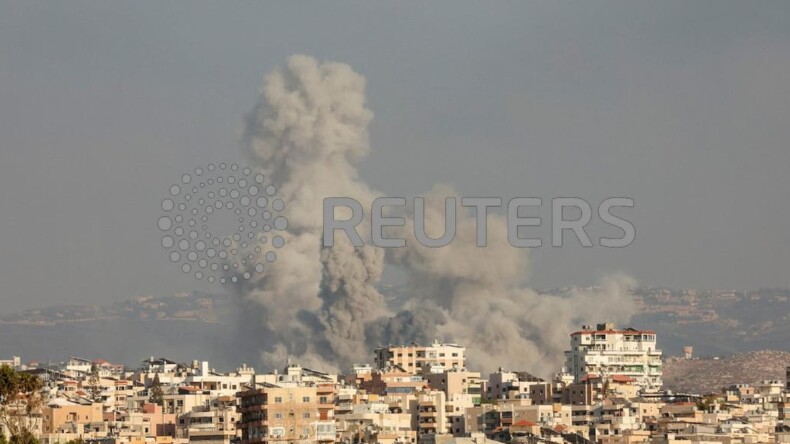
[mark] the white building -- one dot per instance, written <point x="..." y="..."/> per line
<point x="607" y="351"/>
<point x="16" y="362"/>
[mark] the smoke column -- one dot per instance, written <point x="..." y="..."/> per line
<point x="322" y="306"/>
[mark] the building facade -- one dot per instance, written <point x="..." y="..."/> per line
<point x="608" y="351"/>
<point x="414" y="358"/>
<point x="283" y="414"/>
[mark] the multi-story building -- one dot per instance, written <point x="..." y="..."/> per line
<point x="606" y="351"/>
<point x="413" y="358"/>
<point x="61" y="411"/>
<point x="510" y="385"/>
<point x="283" y="414"/>
<point x="392" y="381"/>
<point x="433" y="417"/>
<point x="377" y="422"/>
<point x="456" y="382"/>
<point x="212" y="423"/>
<point x="16" y="362"/>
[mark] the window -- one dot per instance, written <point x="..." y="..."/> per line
<point x="278" y="399"/>
<point x="306" y="415"/>
<point x="278" y="416"/>
<point x="277" y="431"/>
<point x="305" y="399"/>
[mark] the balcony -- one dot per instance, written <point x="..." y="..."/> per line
<point x="324" y="389"/>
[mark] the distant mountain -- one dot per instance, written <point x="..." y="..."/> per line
<point x="715" y="323"/>
<point x="205" y="326"/>
<point x="709" y="375"/>
<point x="204" y="307"/>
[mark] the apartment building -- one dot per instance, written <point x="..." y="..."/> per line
<point x="377" y="422"/>
<point x="60" y="412"/>
<point x="212" y="423"/>
<point x="510" y="385"/>
<point x="392" y="381"/>
<point x="283" y="414"/>
<point x="456" y="381"/>
<point x="414" y="358"/>
<point x="433" y="416"/>
<point x="14" y="362"/>
<point x="606" y="351"/>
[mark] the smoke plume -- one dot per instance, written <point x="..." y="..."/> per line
<point x="322" y="305"/>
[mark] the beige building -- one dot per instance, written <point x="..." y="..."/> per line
<point x="455" y="381"/>
<point x="283" y="414"/>
<point x="60" y="412"/>
<point x="213" y="423"/>
<point x="414" y="357"/>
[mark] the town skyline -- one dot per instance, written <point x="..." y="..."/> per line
<point x="609" y="390"/>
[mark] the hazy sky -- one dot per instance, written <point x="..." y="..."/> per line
<point x="683" y="106"/>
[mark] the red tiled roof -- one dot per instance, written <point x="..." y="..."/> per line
<point x="615" y="378"/>
<point x="622" y="378"/>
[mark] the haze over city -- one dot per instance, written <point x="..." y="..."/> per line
<point x="510" y="222"/>
<point x="680" y="107"/>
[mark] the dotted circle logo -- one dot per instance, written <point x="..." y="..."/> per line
<point x="222" y="257"/>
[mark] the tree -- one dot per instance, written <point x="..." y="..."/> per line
<point x="157" y="394"/>
<point x="94" y="386"/>
<point x="20" y="398"/>
<point x="26" y="437"/>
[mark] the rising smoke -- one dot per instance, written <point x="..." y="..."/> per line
<point x="322" y="306"/>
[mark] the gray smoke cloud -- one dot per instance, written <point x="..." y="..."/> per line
<point x="322" y="306"/>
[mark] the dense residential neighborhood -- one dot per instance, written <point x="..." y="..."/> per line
<point x="610" y="391"/>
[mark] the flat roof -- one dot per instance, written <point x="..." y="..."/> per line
<point x="624" y="332"/>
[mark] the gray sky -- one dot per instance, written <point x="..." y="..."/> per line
<point x="682" y="106"/>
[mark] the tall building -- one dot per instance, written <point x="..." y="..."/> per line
<point x="414" y="358"/>
<point x="283" y="414"/>
<point x="607" y="351"/>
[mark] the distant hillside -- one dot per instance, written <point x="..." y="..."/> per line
<point x="711" y="375"/>
<point x="207" y="326"/>
<point x="715" y="323"/>
<point x="203" y="307"/>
